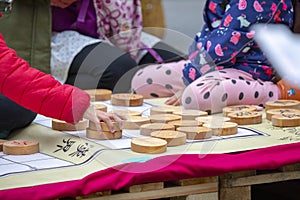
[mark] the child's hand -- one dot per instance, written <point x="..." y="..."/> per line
<point x="61" y="3"/>
<point x="97" y="115"/>
<point x="175" y="100"/>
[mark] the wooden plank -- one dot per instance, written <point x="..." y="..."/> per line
<point x="260" y="179"/>
<point x="146" y="187"/>
<point x="203" y="196"/>
<point x="195" y="181"/>
<point x="164" y="193"/>
<point x="288" y="168"/>
<point x="240" y="193"/>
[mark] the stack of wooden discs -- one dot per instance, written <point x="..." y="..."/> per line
<point x="238" y="108"/>
<point x="196" y="133"/>
<point x="164" y="118"/>
<point x="222" y="129"/>
<point x="105" y="133"/>
<point x="100" y="106"/>
<point x="190" y="114"/>
<point x="148" y="145"/>
<point x="124" y="99"/>
<point x="164" y="110"/>
<point x="126" y="113"/>
<point x="279" y="111"/>
<point x="99" y="94"/>
<point x="173" y="138"/>
<point x="185" y="123"/>
<point x="64" y="126"/>
<point x="147" y="129"/>
<point x="282" y="104"/>
<point x="20" y="147"/>
<point x="213" y="118"/>
<point x="246" y="117"/>
<point x="135" y="122"/>
<point x="289" y="119"/>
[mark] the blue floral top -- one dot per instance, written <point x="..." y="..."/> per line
<point x="226" y="40"/>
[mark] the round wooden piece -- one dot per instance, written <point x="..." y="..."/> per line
<point x="246" y="117"/>
<point x="126" y="112"/>
<point x="123" y="99"/>
<point x="148" y="145"/>
<point x="185" y="123"/>
<point x="104" y="126"/>
<point x="227" y="128"/>
<point x="173" y="138"/>
<point x="190" y="114"/>
<point x="278" y="111"/>
<point x="164" y="118"/>
<point x="99" y="94"/>
<point x="147" y="129"/>
<point x="100" y="106"/>
<point x="135" y="122"/>
<point x="1" y="144"/>
<point x="282" y="104"/>
<point x="20" y="147"/>
<point x="212" y="118"/>
<point x="196" y="133"/>
<point x="104" y="135"/>
<point x="238" y="108"/>
<point x="286" y="120"/>
<point x="164" y="110"/>
<point x="64" y="126"/>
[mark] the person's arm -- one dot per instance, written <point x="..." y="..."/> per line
<point x="37" y="91"/>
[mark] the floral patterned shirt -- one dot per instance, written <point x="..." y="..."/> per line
<point x="226" y="40"/>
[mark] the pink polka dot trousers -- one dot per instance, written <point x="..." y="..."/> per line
<point x="211" y="92"/>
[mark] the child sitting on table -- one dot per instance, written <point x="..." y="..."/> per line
<point x="225" y="66"/>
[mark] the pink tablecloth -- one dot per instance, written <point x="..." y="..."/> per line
<point x="171" y="167"/>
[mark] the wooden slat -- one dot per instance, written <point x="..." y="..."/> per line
<point x="164" y="193"/>
<point x="146" y="187"/>
<point x="260" y="179"/>
<point x="194" y="181"/>
<point x="240" y="193"/>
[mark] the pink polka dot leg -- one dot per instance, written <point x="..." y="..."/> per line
<point x="159" y="80"/>
<point x="215" y="90"/>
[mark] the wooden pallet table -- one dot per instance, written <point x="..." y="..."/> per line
<point x="235" y="185"/>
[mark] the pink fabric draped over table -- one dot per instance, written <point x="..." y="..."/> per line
<point x="180" y="167"/>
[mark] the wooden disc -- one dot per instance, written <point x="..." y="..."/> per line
<point x="164" y="110"/>
<point x="20" y="147"/>
<point x="238" y="108"/>
<point x="227" y="128"/>
<point x="104" y="135"/>
<point x="100" y="106"/>
<point x="104" y="126"/>
<point x="173" y="138"/>
<point x="147" y="129"/>
<point x="124" y="99"/>
<point x="185" y="123"/>
<point x="1" y="144"/>
<point x="212" y="118"/>
<point x="148" y="145"/>
<point x="196" y="133"/>
<point x="282" y="104"/>
<point x="64" y="126"/>
<point x="278" y="111"/>
<point x="286" y="119"/>
<point x="135" y="122"/>
<point x="164" y="118"/>
<point x="99" y="94"/>
<point x="246" y="117"/>
<point x="190" y="114"/>
<point x="126" y="112"/>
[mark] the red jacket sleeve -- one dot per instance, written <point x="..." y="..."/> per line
<point x="38" y="91"/>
